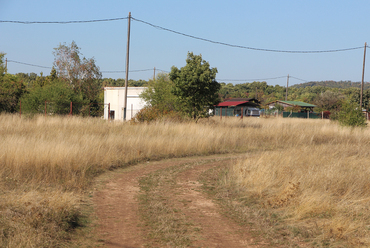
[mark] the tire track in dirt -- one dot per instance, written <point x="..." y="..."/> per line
<point x="217" y="230"/>
<point x="117" y="211"/>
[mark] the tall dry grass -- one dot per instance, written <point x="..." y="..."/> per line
<point x="319" y="182"/>
<point x="48" y="163"/>
<point x="59" y="156"/>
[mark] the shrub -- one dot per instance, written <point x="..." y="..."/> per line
<point x="149" y="114"/>
<point x="351" y="115"/>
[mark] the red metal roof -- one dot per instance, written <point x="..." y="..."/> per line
<point x="224" y="104"/>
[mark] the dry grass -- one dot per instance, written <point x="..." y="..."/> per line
<point x="318" y="182"/>
<point x="62" y="155"/>
<point x="48" y="163"/>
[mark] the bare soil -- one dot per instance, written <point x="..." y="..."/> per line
<point x="118" y="218"/>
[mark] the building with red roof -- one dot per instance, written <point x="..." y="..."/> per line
<point x="237" y="107"/>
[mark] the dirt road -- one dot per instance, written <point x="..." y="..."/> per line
<point x="162" y="204"/>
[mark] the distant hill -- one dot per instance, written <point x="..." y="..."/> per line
<point x="333" y="84"/>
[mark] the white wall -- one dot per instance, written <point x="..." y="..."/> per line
<point x="116" y="97"/>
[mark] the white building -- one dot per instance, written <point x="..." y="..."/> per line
<point x="114" y="97"/>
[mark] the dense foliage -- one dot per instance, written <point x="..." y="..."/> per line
<point x="191" y="89"/>
<point x="159" y="93"/>
<point x="195" y="86"/>
<point x="11" y="89"/>
<point x="351" y="115"/>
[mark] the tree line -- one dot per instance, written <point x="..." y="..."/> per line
<point x="190" y="90"/>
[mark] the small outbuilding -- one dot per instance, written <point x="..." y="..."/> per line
<point x="114" y="98"/>
<point x="238" y="107"/>
<point x="304" y="107"/>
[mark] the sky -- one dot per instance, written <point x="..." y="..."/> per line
<point x="315" y="25"/>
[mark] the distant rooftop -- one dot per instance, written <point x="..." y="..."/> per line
<point x="298" y="103"/>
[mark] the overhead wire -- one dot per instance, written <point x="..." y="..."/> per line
<point x="141" y="70"/>
<point x="298" y="79"/>
<point x="179" y="33"/>
<point x="186" y="35"/>
<point x="48" y="67"/>
<point x="231" y="80"/>
<point x="246" y="47"/>
<point x="64" y="22"/>
<point x="240" y="80"/>
<point x="22" y="63"/>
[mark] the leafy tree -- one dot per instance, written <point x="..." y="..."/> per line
<point x="329" y="100"/>
<point x="159" y="94"/>
<point x="195" y="86"/>
<point x="57" y="94"/>
<point x="11" y="89"/>
<point x="2" y="65"/>
<point x="351" y="115"/>
<point x="82" y="74"/>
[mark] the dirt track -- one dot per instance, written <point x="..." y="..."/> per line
<point x="118" y="213"/>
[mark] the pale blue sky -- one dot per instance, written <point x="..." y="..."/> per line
<point x="271" y="24"/>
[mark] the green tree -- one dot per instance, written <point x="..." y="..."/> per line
<point x="195" y="86"/>
<point x="2" y="65"/>
<point x="159" y="94"/>
<point x="329" y="100"/>
<point x="83" y="75"/>
<point x="351" y="115"/>
<point x="11" y="89"/>
<point x="57" y="94"/>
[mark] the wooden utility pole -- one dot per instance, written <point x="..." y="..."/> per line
<point x="287" y="85"/>
<point x="363" y="74"/>
<point x="6" y="65"/>
<point x="154" y="75"/>
<point x="127" y="63"/>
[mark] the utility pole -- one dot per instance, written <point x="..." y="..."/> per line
<point x="127" y="63"/>
<point x="286" y="92"/>
<point x="363" y="74"/>
<point x="6" y="65"/>
<point x="154" y="75"/>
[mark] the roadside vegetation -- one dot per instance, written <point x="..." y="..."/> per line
<point x="312" y="174"/>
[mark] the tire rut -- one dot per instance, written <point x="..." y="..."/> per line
<point x="120" y="221"/>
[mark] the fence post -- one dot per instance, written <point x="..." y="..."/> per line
<point x="241" y="113"/>
<point x="45" y="108"/>
<point x="70" y="109"/>
<point x="308" y="114"/>
<point x="20" y="109"/>
<point x="132" y="110"/>
<point x="221" y="113"/>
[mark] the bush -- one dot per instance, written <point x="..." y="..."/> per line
<point x="149" y="114"/>
<point x="58" y="96"/>
<point x="351" y="115"/>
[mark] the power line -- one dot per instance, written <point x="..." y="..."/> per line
<point x="125" y="71"/>
<point x="22" y="63"/>
<point x="64" y="22"/>
<point x="256" y="79"/>
<point x="231" y="80"/>
<point x="134" y="71"/>
<point x="183" y="34"/>
<point x="246" y="47"/>
<point x="298" y="79"/>
<point x="48" y="67"/>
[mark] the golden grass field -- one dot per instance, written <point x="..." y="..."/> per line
<point x="314" y="173"/>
